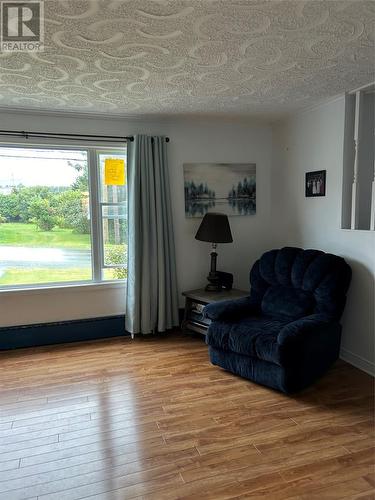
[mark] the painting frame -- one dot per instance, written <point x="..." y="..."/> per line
<point x="228" y="188"/>
<point x="315" y="183"/>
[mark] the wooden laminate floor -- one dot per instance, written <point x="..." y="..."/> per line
<point x="153" y="419"/>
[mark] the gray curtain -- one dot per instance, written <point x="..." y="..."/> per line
<point x="151" y="297"/>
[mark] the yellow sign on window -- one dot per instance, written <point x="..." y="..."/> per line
<point x="114" y="172"/>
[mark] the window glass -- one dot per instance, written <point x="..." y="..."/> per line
<point x="45" y="234"/>
<point x="114" y="221"/>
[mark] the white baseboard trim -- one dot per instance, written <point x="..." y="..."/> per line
<point x="357" y="361"/>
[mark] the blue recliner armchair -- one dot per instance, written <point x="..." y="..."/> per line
<point x="287" y="333"/>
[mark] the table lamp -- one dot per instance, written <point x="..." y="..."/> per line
<point x="215" y="229"/>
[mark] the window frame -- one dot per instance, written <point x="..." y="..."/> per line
<point x="96" y="233"/>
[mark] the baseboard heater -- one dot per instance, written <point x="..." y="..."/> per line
<point x="13" y="337"/>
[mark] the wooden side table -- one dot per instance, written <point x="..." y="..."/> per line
<point x="195" y="300"/>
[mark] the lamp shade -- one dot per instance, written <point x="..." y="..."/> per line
<point x="215" y="229"/>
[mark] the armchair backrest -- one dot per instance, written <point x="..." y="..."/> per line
<point x="293" y="282"/>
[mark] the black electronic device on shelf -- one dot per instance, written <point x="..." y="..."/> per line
<point x="225" y="280"/>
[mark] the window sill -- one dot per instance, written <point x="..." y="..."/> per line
<point x="347" y="229"/>
<point x="69" y="288"/>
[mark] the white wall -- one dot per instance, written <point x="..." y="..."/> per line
<point x="309" y="141"/>
<point x="209" y="140"/>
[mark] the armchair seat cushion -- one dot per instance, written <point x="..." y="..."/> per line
<point x="254" y="336"/>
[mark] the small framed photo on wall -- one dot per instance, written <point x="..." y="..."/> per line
<point x="315" y="183"/>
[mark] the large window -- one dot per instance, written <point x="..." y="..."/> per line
<point x="62" y="219"/>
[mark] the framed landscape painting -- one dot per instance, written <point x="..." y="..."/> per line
<point x="228" y="188"/>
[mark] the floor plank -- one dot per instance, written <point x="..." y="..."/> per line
<point x="153" y="419"/>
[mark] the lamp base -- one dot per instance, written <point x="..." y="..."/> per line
<point x="214" y="284"/>
<point x="213" y="277"/>
<point x="211" y="287"/>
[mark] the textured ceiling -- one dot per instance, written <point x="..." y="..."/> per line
<point x="145" y="57"/>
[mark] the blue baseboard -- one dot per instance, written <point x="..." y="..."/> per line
<point x="14" y="337"/>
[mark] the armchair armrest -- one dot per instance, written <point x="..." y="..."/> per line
<point x="305" y="328"/>
<point x="230" y="309"/>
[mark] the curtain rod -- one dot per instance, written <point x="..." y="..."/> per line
<point x="75" y="137"/>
